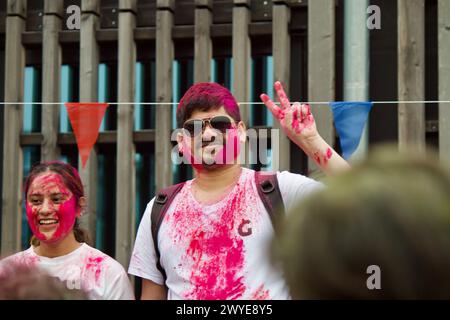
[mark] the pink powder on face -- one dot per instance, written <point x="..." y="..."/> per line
<point x="66" y="214"/>
<point x="231" y="149"/>
<point x="45" y="185"/>
<point x="214" y="250"/>
<point x="48" y="182"/>
<point x="33" y="222"/>
<point x="226" y="155"/>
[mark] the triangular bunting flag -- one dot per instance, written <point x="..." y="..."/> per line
<point x="349" y="120"/>
<point x="85" y="118"/>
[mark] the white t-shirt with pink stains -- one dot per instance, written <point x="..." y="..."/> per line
<point x="218" y="251"/>
<point x="86" y="268"/>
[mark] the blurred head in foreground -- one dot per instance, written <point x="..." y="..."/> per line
<point x="385" y="224"/>
<point x="22" y="282"/>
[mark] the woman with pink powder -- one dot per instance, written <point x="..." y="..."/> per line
<point x="55" y="200"/>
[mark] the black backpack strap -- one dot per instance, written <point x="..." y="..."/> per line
<point x="161" y="204"/>
<point x="270" y="195"/>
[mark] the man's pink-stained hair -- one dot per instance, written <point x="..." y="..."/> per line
<point x="205" y="96"/>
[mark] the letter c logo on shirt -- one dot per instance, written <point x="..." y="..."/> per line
<point x="247" y="231"/>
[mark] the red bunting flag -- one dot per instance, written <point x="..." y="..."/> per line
<point x="85" y="118"/>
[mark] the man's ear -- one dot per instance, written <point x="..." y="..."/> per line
<point x="82" y="202"/>
<point x="180" y="141"/>
<point x="242" y="131"/>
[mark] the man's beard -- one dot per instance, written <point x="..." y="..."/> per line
<point x="211" y="148"/>
<point x="220" y="150"/>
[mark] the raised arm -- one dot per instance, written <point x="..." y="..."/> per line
<point x="298" y="123"/>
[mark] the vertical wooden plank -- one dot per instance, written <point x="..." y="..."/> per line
<point x="281" y="50"/>
<point x="241" y="55"/>
<point x="242" y="65"/>
<point x="51" y="71"/>
<point x="12" y="152"/>
<point x="164" y="59"/>
<point x="444" y="78"/>
<point x="203" y="44"/>
<point x="92" y="6"/>
<point x="17" y="8"/>
<point x="125" y="188"/>
<point x="128" y="5"/>
<point x="411" y="73"/>
<point x="89" y="59"/>
<point x="321" y="68"/>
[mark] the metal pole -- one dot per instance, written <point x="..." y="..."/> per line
<point x="356" y="62"/>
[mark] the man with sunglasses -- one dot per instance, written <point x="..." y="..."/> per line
<point x="212" y="241"/>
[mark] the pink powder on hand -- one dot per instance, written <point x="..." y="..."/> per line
<point x="305" y="122"/>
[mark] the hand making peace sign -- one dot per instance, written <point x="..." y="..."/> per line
<point x="298" y="123"/>
<point x="296" y="119"/>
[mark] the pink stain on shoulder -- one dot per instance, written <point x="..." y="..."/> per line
<point x="260" y="294"/>
<point x="67" y="214"/>
<point x="94" y="265"/>
<point x="25" y="259"/>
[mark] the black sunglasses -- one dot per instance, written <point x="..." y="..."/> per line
<point x="221" y="123"/>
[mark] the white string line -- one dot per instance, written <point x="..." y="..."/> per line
<point x="239" y="103"/>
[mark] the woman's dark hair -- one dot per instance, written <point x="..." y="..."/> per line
<point x="71" y="180"/>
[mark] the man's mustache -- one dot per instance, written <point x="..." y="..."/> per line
<point x="212" y="142"/>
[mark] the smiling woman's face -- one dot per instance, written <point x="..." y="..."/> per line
<point x="51" y="208"/>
